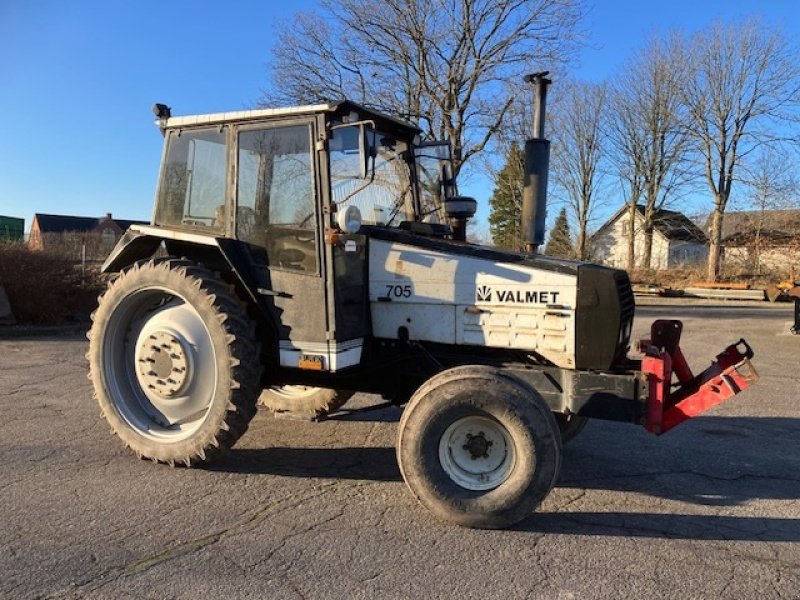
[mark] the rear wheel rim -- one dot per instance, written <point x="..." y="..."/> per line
<point x="293" y="392"/>
<point x="477" y="453"/>
<point x="159" y="365"/>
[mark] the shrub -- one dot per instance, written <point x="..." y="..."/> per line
<point x="44" y="287"/>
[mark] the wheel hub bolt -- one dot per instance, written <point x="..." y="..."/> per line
<point x="163" y="364"/>
<point x="477" y="446"/>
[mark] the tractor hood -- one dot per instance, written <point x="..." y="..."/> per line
<point x="448" y="292"/>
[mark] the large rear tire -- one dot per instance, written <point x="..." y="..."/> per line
<point x="303" y="402"/>
<point x="174" y="361"/>
<point x="478" y="447"/>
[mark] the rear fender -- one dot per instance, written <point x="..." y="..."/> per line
<point x="226" y="255"/>
<point x="131" y="247"/>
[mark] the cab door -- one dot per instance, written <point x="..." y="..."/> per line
<point x="342" y="165"/>
<point x="277" y="214"/>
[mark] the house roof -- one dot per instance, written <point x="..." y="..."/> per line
<point x="671" y="224"/>
<point x="61" y="223"/>
<point x="775" y="224"/>
<point x="676" y="226"/>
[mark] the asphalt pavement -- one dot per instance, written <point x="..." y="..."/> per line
<point x="319" y="510"/>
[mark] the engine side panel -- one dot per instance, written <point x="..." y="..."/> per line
<point x="431" y="295"/>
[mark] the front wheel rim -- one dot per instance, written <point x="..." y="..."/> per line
<point x="477" y="453"/>
<point x="159" y="365"/>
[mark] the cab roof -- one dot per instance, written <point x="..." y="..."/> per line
<point x="342" y="107"/>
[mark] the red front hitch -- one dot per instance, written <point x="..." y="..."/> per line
<point x="670" y="404"/>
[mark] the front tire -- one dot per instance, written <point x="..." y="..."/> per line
<point x="478" y="447"/>
<point x="174" y="362"/>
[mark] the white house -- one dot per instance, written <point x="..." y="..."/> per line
<point x="676" y="240"/>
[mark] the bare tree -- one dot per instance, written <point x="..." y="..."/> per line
<point x="439" y="63"/>
<point x="627" y="157"/>
<point x="578" y="150"/>
<point x="649" y="143"/>
<point x="743" y="82"/>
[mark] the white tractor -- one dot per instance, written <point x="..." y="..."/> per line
<point x="311" y="252"/>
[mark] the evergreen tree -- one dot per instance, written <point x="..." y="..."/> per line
<point x="559" y="243"/>
<point x="506" y="201"/>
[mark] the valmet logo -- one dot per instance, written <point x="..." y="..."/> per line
<point x="485" y="293"/>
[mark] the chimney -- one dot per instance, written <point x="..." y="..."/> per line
<point x="537" y="164"/>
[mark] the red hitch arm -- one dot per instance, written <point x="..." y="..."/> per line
<point x="670" y="404"/>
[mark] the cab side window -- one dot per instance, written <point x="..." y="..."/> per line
<point x="275" y="195"/>
<point x="191" y="192"/>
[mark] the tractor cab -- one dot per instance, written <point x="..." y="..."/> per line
<point x="305" y="168"/>
<point x="299" y="188"/>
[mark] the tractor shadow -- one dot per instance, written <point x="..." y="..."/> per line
<point x="711" y="461"/>
<point x="371" y="464"/>
<point x="715" y="462"/>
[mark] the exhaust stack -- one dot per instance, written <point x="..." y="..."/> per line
<point x="537" y="164"/>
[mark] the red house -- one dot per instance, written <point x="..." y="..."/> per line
<point x="106" y="229"/>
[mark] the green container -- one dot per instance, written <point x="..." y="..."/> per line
<point x="12" y="229"/>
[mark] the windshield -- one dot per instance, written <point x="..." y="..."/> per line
<point x="433" y="171"/>
<point x="385" y="196"/>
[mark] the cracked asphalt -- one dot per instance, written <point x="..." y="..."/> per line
<point x="319" y="510"/>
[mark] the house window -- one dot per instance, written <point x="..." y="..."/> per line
<point x="109" y="237"/>
<point x="625" y="228"/>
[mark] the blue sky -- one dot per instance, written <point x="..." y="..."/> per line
<point x="78" y="79"/>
